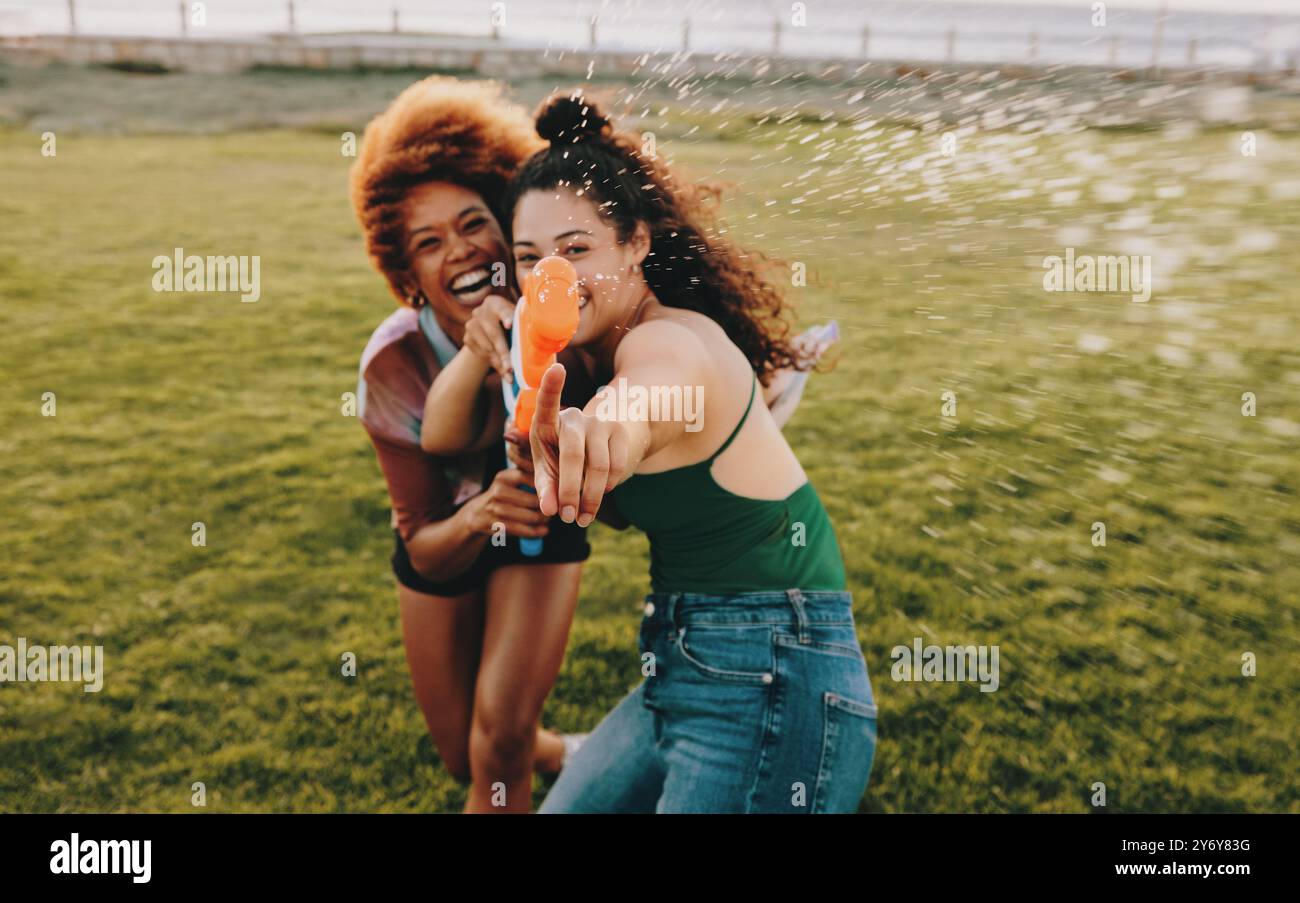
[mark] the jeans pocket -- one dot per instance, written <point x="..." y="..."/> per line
<point x="729" y="654"/>
<point x="848" y="749"/>
<point x="837" y="640"/>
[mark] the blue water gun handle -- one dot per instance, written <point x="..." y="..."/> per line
<point x="529" y="546"/>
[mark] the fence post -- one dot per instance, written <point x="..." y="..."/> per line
<point x="293" y="19"/>
<point x="1191" y="51"/>
<point x="1114" y="49"/>
<point x="72" y="16"/>
<point x="397" y="20"/>
<point x="866" y="39"/>
<point x="952" y="44"/>
<point x="686" y="35"/>
<point x="1033" y="46"/>
<point x="1158" y="37"/>
<point x="185" y="20"/>
<point x="776" y="36"/>
<point x="591" y="32"/>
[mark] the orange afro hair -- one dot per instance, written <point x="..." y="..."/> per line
<point x="438" y="129"/>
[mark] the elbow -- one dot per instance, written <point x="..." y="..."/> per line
<point x="433" y="569"/>
<point x="433" y="432"/>
<point x="433" y="444"/>
<point x="443" y="440"/>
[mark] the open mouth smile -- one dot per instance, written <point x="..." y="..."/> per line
<point x="470" y="282"/>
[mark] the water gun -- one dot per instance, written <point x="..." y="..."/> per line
<point x="546" y="318"/>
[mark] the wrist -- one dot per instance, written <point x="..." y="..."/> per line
<point x="479" y="363"/>
<point x="467" y="518"/>
<point x="638" y="436"/>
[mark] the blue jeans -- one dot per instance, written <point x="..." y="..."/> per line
<point x="758" y="702"/>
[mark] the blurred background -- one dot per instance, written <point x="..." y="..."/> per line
<point x="920" y="160"/>
<point x="1256" y="33"/>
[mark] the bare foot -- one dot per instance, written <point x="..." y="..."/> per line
<point x="548" y="754"/>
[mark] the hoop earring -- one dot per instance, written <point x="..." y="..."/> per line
<point x="417" y="300"/>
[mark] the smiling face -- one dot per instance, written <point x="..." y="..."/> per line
<point x="559" y="222"/>
<point x="452" y="242"/>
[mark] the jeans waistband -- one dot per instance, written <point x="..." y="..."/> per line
<point x="791" y="606"/>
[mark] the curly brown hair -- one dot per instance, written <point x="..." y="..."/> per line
<point x="690" y="265"/>
<point x="438" y="129"/>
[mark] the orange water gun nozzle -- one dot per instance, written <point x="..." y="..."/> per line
<point x="546" y="325"/>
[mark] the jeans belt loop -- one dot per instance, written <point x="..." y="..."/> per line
<point x="670" y="616"/>
<point x="796" y="602"/>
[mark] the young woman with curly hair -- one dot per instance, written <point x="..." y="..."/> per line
<point x="756" y="696"/>
<point x="484" y="626"/>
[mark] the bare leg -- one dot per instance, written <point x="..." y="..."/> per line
<point x="442" y="636"/>
<point x="529" y="609"/>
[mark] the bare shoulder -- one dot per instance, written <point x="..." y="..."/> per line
<point x="663" y="338"/>
<point x="700" y="336"/>
<point x="388" y="336"/>
<point x="683" y="335"/>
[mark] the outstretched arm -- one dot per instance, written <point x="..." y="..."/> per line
<point x="520" y="455"/>
<point x="578" y="455"/>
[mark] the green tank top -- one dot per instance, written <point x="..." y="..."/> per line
<point x="705" y="539"/>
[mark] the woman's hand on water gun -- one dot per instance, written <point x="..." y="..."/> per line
<point x="505" y="503"/>
<point x="577" y="457"/>
<point x="519" y="451"/>
<point x="486" y="330"/>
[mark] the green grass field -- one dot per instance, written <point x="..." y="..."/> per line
<point x="1120" y="664"/>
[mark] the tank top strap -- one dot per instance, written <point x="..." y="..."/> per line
<point x="753" y="388"/>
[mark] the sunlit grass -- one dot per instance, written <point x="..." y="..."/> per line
<point x="1120" y="664"/>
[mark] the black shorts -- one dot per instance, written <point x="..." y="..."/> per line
<point x="564" y="543"/>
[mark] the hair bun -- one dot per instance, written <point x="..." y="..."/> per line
<point x="566" y="119"/>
